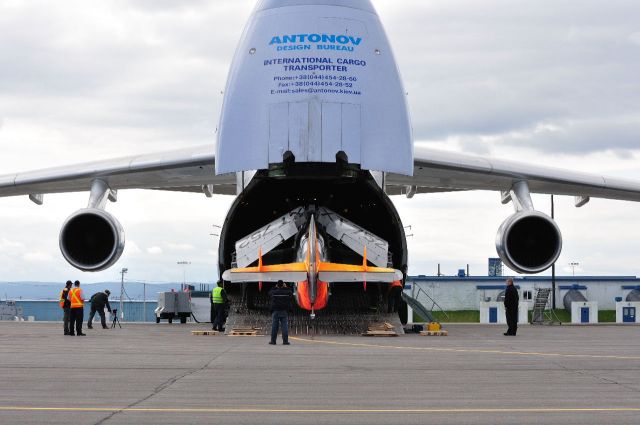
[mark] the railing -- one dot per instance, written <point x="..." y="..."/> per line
<point x="429" y="300"/>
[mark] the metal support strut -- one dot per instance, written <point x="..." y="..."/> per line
<point x="520" y="195"/>
<point x="100" y="194"/>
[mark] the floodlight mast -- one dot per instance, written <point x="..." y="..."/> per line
<point x="122" y="273"/>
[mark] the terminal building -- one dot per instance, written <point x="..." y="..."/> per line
<point x="587" y="294"/>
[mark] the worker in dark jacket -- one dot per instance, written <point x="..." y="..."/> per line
<point x="394" y="296"/>
<point x="281" y="299"/>
<point x="98" y="301"/>
<point x="219" y="302"/>
<point x="65" y="305"/>
<point x="511" y="299"/>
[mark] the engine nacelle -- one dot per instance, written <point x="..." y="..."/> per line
<point x="529" y="242"/>
<point x="91" y="240"/>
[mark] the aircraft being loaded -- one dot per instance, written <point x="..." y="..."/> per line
<point x="314" y="137"/>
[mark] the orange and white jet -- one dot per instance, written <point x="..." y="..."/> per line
<point x="312" y="274"/>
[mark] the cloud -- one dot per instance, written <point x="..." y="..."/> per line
<point x="587" y="135"/>
<point x="179" y="246"/>
<point x="38" y="257"/>
<point x="132" y="248"/>
<point x="7" y="245"/>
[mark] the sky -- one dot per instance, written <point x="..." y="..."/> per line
<point x="550" y="82"/>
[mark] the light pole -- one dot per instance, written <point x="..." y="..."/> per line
<point x="553" y="266"/>
<point x="122" y="273"/>
<point x="573" y="265"/>
<point x="184" y="265"/>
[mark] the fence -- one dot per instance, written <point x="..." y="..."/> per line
<point x="134" y="311"/>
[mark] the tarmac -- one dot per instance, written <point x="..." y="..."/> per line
<point x="162" y="374"/>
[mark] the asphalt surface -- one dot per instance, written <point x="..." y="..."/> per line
<point x="161" y="374"/>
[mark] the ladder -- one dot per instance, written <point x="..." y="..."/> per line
<point x="540" y="314"/>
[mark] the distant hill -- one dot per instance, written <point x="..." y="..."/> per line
<point x="51" y="290"/>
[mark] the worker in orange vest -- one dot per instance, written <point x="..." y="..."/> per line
<point x="65" y="305"/>
<point x="77" y="309"/>
<point x="393" y="298"/>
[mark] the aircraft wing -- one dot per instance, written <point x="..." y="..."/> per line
<point x="292" y="272"/>
<point x="188" y="170"/>
<point x="441" y="171"/>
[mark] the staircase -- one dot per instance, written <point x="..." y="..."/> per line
<point x="540" y="314"/>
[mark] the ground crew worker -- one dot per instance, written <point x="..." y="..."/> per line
<point x="394" y="296"/>
<point x="77" y="309"/>
<point x="98" y="301"/>
<point x="511" y="299"/>
<point x="65" y="305"/>
<point x="219" y="302"/>
<point x="281" y="302"/>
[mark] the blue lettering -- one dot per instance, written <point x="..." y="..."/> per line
<point x="288" y="39"/>
<point x="328" y="38"/>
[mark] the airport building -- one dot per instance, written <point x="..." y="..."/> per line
<point x="467" y="292"/>
<point x="583" y="296"/>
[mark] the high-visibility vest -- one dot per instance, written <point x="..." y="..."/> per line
<point x="216" y="295"/>
<point x="396" y="283"/>
<point x="63" y="297"/>
<point x="75" y="294"/>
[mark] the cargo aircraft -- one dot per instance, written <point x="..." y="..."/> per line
<point x="314" y="137"/>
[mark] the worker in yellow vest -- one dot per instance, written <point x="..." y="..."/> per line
<point x="65" y="305"/>
<point x="77" y="309"/>
<point x="219" y="302"/>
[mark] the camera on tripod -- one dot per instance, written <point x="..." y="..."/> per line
<point x="115" y="319"/>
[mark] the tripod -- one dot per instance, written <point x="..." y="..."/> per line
<point x="115" y="319"/>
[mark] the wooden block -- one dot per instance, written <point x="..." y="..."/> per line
<point x="205" y="332"/>
<point x="434" y="333"/>
<point x="379" y="333"/>
<point x="243" y="333"/>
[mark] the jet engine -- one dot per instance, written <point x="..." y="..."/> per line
<point x="91" y="240"/>
<point x="529" y="241"/>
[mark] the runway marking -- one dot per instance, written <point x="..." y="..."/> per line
<point x="468" y="350"/>
<point x="258" y="410"/>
